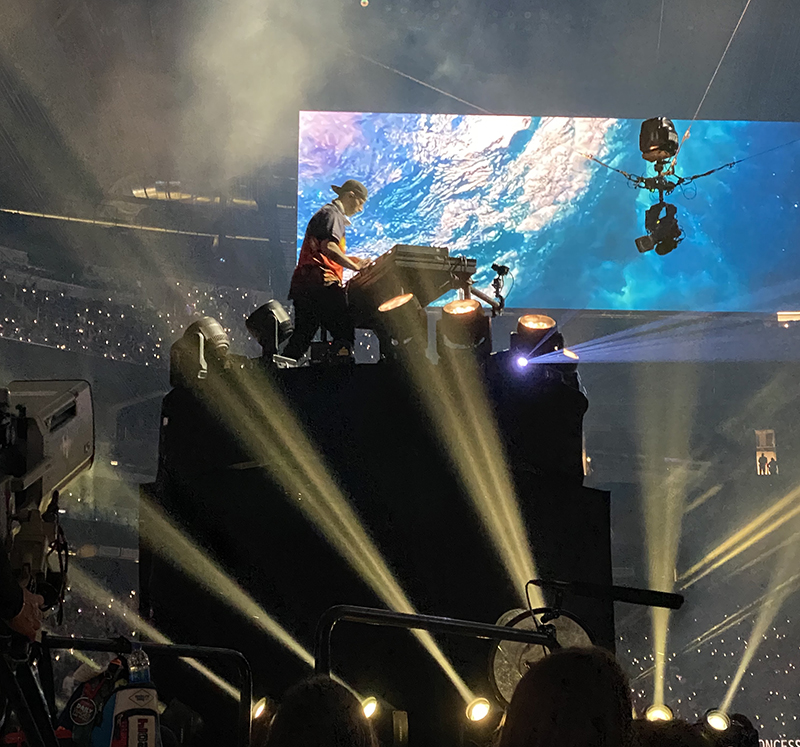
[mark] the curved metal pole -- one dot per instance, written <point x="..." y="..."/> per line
<point x="372" y="616"/>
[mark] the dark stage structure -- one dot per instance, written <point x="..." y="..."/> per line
<point x="369" y="425"/>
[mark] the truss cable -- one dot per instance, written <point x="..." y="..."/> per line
<point x="711" y="82"/>
<point x="418" y="81"/>
<point x="660" y="26"/>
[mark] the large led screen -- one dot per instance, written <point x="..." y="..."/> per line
<point x="520" y="191"/>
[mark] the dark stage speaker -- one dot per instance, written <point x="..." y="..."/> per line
<point x="388" y="463"/>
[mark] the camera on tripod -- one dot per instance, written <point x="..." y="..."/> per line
<point x="46" y="440"/>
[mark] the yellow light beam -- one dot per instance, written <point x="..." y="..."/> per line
<point x="700" y="500"/>
<point x="783" y="583"/>
<point x="473" y="427"/>
<point x="738" y="549"/>
<point x="665" y="421"/>
<point x="270" y="432"/>
<point x="456" y="399"/>
<point x="92" y="590"/>
<point x="725" y="624"/>
<point x="741" y="535"/>
<point x="762" y="557"/>
<point x="163" y="536"/>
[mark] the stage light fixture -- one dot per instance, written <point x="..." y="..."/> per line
<point x="204" y="342"/>
<point x="717" y="720"/>
<point x="271" y="326"/>
<point x="570" y="354"/>
<point x="395" y="303"/>
<point x="462" y="308"/>
<point x="370" y="706"/>
<point x="536" y="335"/>
<point x="659" y="712"/>
<point x="521" y="361"/>
<point x="401" y="322"/>
<point x="478" y="709"/>
<point x="464" y="326"/>
<point x="509" y="661"/>
<point x="534" y="324"/>
<point x="259" y="708"/>
<point x="658" y="139"/>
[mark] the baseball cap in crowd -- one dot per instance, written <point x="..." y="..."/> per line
<point x="351" y="185"/>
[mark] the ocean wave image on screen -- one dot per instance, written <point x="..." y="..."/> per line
<point x="520" y="191"/>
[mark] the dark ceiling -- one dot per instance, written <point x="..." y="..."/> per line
<point x="100" y="96"/>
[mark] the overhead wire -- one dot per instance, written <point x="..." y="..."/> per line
<point x="660" y="26"/>
<point x="418" y="81"/>
<point x="710" y="83"/>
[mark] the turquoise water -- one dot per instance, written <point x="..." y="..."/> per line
<point x="519" y="190"/>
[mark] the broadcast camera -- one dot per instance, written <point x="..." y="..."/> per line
<point x="663" y="231"/>
<point x="46" y="440"/>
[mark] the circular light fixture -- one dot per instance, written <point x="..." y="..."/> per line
<point x="462" y="308"/>
<point x="521" y="361"/>
<point x="718" y="720"/>
<point x="370" y="706"/>
<point x="510" y="660"/>
<point x="478" y="709"/>
<point x="535" y="321"/>
<point x="396" y="302"/>
<point x="659" y="713"/>
<point x="259" y="708"/>
<point x="537" y="334"/>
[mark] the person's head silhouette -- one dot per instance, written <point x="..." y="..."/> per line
<point x="575" y="696"/>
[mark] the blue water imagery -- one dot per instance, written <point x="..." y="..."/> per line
<point x="520" y="190"/>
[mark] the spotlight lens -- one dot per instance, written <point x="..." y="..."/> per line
<point x="462" y="308"/>
<point x="522" y="361"/>
<point x="370" y="706"/>
<point x="396" y="302"/>
<point x="478" y="709"/>
<point x="658" y="713"/>
<point x="570" y="354"/>
<point x="718" y="720"/>
<point x="259" y="708"/>
<point x="536" y="321"/>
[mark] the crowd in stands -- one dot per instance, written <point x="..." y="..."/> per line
<point x="118" y="327"/>
<point x="66" y="317"/>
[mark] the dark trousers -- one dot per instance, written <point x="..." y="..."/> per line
<point x="323" y="305"/>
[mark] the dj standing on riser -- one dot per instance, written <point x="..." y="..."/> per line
<point x="316" y="289"/>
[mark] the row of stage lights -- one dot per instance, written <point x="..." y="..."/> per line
<point x="721" y="729"/>
<point x="477" y="710"/>
<point x="465" y="326"/>
<point x="735" y="730"/>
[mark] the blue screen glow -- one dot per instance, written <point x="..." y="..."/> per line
<point x="520" y="191"/>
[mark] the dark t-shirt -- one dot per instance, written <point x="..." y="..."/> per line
<point x="313" y="267"/>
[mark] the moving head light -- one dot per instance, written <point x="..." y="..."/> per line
<point x="658" y="139"/>
<point x="271" y="326"/>
<point x="204" y="341"/>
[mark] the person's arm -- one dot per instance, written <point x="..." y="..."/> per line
<point x="28" y="620"/>
<point x="19" y="609"/>
<point x="333" y="252"/>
